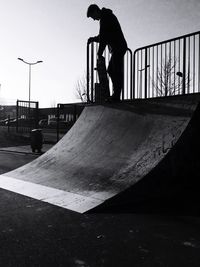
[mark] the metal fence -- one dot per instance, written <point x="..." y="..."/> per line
<point x="27" y="116"/>
<point x="167" y="68"/>
<point x="171" y="67"/>
<point x="92" y="75"/>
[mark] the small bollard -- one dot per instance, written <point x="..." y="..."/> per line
<point x="36" y="140"/>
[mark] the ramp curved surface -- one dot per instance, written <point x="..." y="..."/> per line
<point x="109" y="149"/>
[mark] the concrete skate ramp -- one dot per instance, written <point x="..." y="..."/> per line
<point x="110" y="149"/>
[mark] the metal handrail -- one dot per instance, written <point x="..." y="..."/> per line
<point x="168" y="40"/>
<point x="166" y="68"/>
<point x="169" y="67"/>
<point x="127" y="91"/>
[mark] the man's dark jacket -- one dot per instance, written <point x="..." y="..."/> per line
<point x="110" y="33"/>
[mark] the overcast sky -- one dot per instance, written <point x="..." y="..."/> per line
<point x="56" y="32"/>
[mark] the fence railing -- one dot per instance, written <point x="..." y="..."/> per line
<point x="27" y="116"/>
<point x="92" y="75"/>
<point x="167" y="68"/>
<point x="171" y="67"/>
<point x="66" y="116"/>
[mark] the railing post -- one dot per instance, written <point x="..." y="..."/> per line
<point x="58" y="121"/>
<point x="131" y="73"/>
<point x="92" y="73"/>
<point x="123" y="87"/>
<point x="184" y="64"/>
<point x="145" y="75"/>
<point x="134" y="66"/>
<point x="17" y="115"/>
<point x="37" y="114"/>
<point x="88" y="74"/>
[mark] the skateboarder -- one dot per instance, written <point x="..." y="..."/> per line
<point x="110" y="34"/>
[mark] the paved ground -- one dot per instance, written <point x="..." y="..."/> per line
<point x="14" y="157"/>
<point x="36" y="234"/>
<point x="26" y="149"/>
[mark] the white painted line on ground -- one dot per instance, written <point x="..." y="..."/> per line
<point x="57" y="197"/>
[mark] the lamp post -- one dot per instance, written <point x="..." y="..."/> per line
<point x="30" y="64"/>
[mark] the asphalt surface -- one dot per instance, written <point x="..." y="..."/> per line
<point x="16" y="156"/>
<point x="34" y="233"/>
<point x="37" y="234"/>
<point x="13" y="160"/>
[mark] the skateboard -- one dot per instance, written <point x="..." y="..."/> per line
<point x="102" y="91"/>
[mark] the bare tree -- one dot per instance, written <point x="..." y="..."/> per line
<point x="168" y="81"/>
<point x="81" y="88"/>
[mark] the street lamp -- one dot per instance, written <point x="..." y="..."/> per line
<point x="30" y="64"/>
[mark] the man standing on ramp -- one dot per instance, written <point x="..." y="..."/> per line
<point x="110" y="34"/>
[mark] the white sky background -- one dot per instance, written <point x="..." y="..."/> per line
<point x="56" y="32"/>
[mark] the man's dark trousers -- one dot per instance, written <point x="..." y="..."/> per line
<point x="116" y="73"/>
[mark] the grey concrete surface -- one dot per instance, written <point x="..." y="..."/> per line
<point x="110" y="149"/>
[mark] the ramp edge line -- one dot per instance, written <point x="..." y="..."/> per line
<point x="57" y="197"/>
